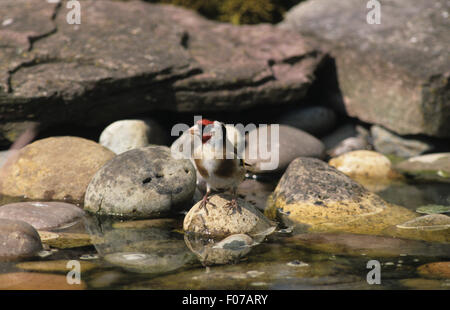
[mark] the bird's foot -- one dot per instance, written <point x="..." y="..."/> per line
<point x="204" y="202"/>
<point x="233" y="206"/>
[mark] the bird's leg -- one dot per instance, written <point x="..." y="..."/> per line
<point x="233" y="204"/>
<point x="205" y="199"/>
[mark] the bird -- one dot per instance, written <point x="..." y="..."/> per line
<point x="216" y="161"/>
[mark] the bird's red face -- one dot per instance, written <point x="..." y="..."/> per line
<point x="203" y="123"/>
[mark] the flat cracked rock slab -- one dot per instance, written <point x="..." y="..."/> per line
<point x="123" y="50"/>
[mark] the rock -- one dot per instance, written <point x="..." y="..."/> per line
<point x="43" y="215"/>
<point x="372" y="246"/>
<point x="57" y="168"/>
<point x="154" y="263"/>
<point x="141" y="183"/>
<point x="346" y="139"/>
<point x="314" y="196"/>
<point x="69" y="240"/>
<point x="54" y="266"/>
<point x="110" y="236"/>
<point x="290" y="144"/>
<point x="262" y="272"/>
<point x="431" y="167"/>
<point x="37" y="281"/>
<point x="18" y="240"/>
<point x="255" y="192"/>
<point x="229" y="250"/>
<point x="158" y="57"/>
<point x="106" y="279"/>
<point x="3" y="156"/>
<point x="416" y="195"/>
<point x="153" y="223"/>
<point x="395" y="73"/>
<point x="315" y="120"/>
<point x="440" y="270"/>
<point x="366" y="164"/>
<point x="433" y="209"/>
<point x="423" y="284"/>
<point x="219" y="222"/>
<point x="125" y="135"/>
<point x="371" y="169"/>
<point x="433" y="227"/>
<point x="338" y="135"/>
<point x="428" y="222"/>
<point x="387" y="142"/>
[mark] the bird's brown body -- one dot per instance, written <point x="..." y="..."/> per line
<point x="220" y="169"/>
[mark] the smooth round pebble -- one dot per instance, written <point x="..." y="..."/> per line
<point x="125" y="135"/>
<point x="18" y="240"/>
<point x="43" y="215"/>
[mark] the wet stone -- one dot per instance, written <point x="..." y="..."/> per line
<point x="433" y="227"/>
<point x="37" y="281"/>
<point x="154" y="263"/>
<point x="371" y="246"/>
<point x="424" y="284"/>
<point x="430" y="167"/>
<point x="433" y="209"/>
<point x="227" y="251"/>
<point x="43" y="215"/>
<point x="369" y="168"/>
<point x="218" y="220"/>
<point x="314" y="196"/>
<point x="439" y="270"/>
<point x="18" y="240"/>
<point x="54" y="266"/>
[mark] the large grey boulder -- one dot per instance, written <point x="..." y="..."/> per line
<point x="395" y="73"/>
<point x="130" y="57"/>
<point x="141" y="183"/>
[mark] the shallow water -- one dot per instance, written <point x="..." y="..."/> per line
<point x="154" y="254"/>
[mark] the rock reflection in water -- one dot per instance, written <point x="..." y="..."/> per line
<point x="149" y="246"/>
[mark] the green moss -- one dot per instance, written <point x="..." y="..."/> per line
<point x="238" y="11"/>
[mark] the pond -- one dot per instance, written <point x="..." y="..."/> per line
<point x="157" y="254"/>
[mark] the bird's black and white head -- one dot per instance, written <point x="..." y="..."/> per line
<point x="210" y="131"/>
